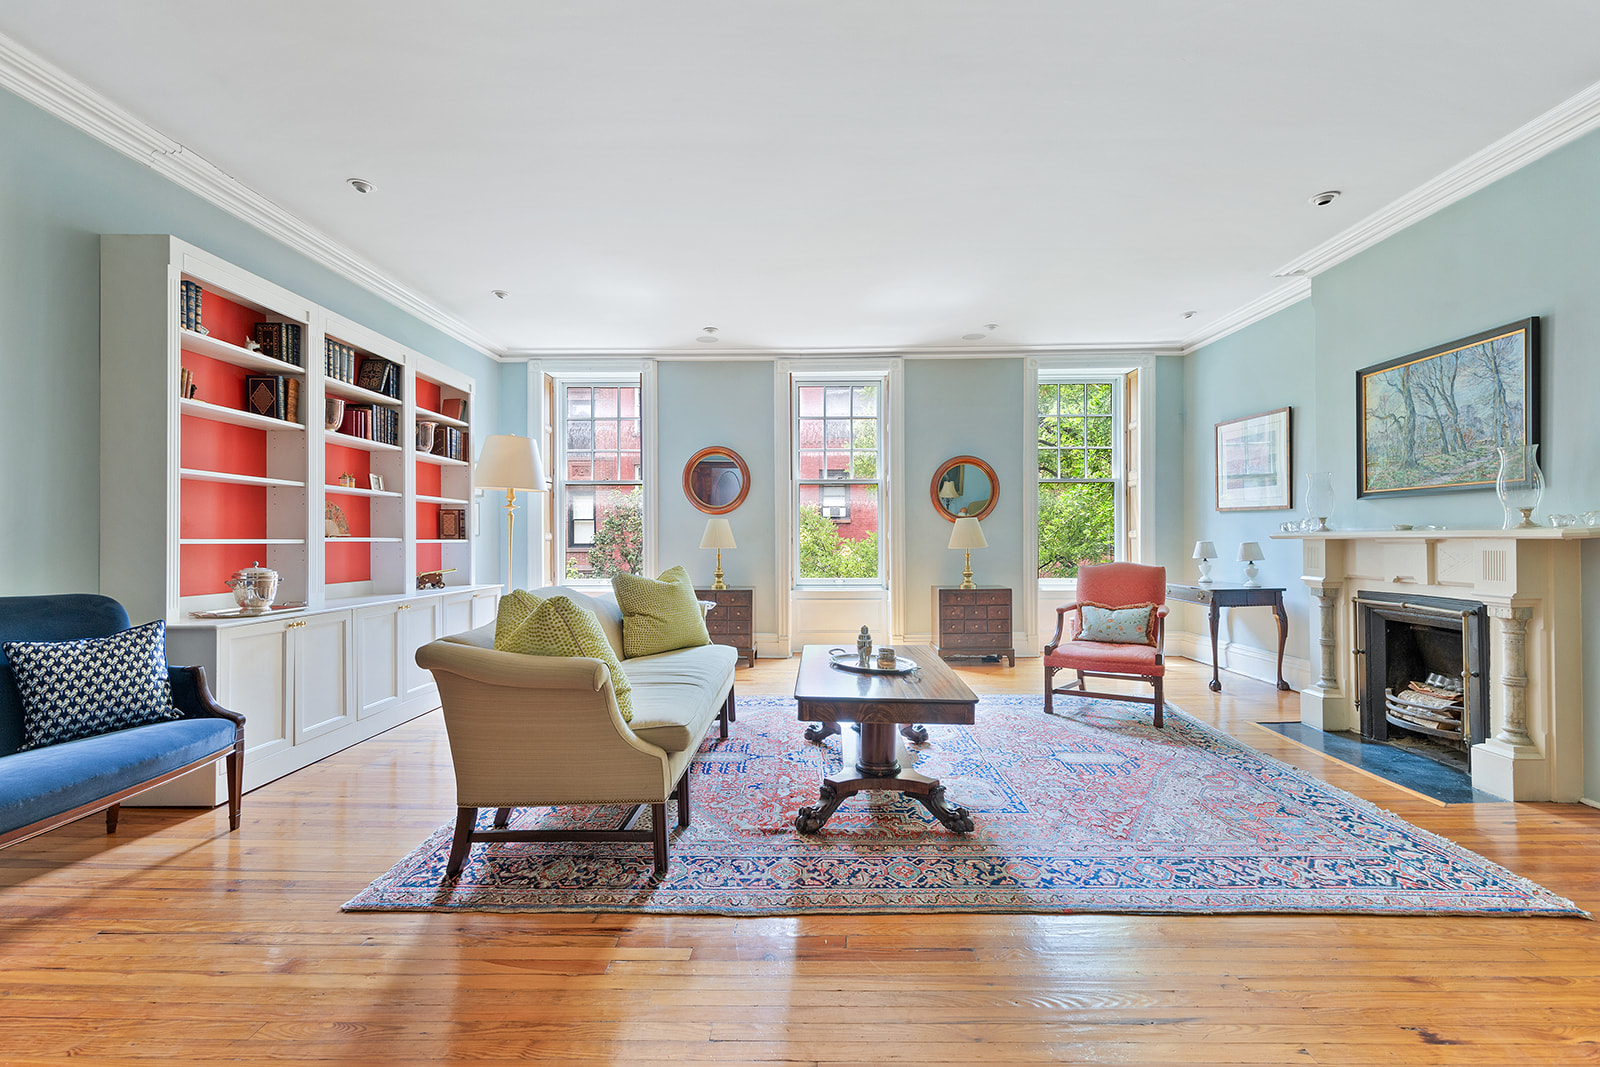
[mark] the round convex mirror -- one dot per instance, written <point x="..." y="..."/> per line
<point x="964" y="486"/>
<point x="716" y="480"/>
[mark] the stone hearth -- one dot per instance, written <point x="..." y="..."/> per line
<point x="1530" y="581"/>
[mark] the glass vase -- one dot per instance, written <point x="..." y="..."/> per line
<point x="1319" y="499"/>
<point x="1520" y="485"/>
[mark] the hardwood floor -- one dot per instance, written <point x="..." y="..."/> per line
<point x="176" y="941"/>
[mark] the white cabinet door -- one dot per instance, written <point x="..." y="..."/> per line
<point x="377" y="663"/>
<point x="455" y="615"/>
<point x="419" y="624"/>
<point x="324" y="690"/>
<point x="252" y="678"/>
<point x="484" y="607"/>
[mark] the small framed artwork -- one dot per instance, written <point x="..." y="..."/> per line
<point x="1434" y="421"/>
<point x="1255" y="462"/>
<point x="375" y="481"/>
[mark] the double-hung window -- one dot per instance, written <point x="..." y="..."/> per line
<point x="839" y="463"/>
<point x="600" y="479"/>
<point x="1081" y="474"/>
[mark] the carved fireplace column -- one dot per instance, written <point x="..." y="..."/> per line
<point x="1324" y="705"/>
<point x="1513" y="664"/>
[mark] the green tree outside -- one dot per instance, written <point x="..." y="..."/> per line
<point x="618" y="539"/>
<point x="824" y="554"/>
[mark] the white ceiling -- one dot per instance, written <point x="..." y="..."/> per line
<point x="827" y="174"/>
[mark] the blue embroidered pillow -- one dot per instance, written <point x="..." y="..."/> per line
<point x="73" y="689"/>
<point x="1133" y="625"/>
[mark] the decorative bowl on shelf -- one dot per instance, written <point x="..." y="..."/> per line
<point x="334" y="414"/>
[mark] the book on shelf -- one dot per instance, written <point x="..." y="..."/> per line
<point x="291" y="399"/>
<point x="379" y="375"/>
<point x="279" y="340"/>
<point x="191" y="293"/>
<point x="371" y="422"/>
<point x="268" y="394"/>
<point x="454" y="407"/>
<point x="450" y="442"/>
<point x="452" y="524"/>
<point x="338" y="360"/>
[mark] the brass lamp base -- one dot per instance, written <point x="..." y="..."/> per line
<point x="966" y="575"/>
<point x="718" y="583"/>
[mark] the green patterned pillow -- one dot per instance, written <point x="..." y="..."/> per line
<point x="516" y="607"/>
<point x="558" y="627"/>
<point x="659" y="615"/>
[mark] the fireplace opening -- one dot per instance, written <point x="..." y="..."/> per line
<point x="1422" y="674"/>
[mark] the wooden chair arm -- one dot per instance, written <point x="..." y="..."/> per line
<point x="1061" y="618"/>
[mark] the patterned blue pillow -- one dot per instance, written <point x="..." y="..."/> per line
<point x="73" y="689"/>
<point x="1131" y="625"/>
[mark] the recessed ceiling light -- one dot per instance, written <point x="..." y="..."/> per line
<point x="989" y="326"/>
<point x="1190" y="314"/>
<point x="360" y="185"/>
<point x="1323" y="199"/>
<point x="707" y="336"/>
<point x="500" y="293"/>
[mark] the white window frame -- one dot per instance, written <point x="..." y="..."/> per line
<point x="1119" y="471"/>
<point x="637" y="376"/>
<point x="842" y="379"/>
<point x="1134" y="443"/>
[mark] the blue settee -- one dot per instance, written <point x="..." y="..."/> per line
<point x="44" y="788"/>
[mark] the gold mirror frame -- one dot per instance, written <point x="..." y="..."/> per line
<point x="949" y="471"/>
<point x="693" y="477"/>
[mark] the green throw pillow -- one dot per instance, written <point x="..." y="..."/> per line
<point x="659" y="615"/>
<point x="558" y="627"/>
<point x="516" y="607"/>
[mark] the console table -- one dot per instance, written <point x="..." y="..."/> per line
<point x="1217" y="597"/>
<point x="733" y="621"/>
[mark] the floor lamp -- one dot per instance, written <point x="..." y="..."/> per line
<point x="510" y="462"/>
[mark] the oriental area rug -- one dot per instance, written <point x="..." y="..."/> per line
<point x="1095" y="810"/>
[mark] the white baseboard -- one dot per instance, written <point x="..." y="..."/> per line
<point x="1259" y="663"/>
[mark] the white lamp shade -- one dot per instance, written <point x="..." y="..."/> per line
<point x="967" y="534"/>
<point x="947" y="491"/>
<point x="510" y="462"/>
<point x="1205" y="550"/>
<point x="718" y="534"/>
<point x="1249" y="552"/>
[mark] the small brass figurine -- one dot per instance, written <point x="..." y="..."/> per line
<point x="864" y="648"/>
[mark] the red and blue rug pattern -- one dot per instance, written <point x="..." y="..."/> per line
<point x="1091" y="811"/>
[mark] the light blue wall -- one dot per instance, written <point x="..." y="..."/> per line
<point x="962" y="407"/>
<point x="59" y="190"/>
<point x="700" y="404"/>
<point x="1266" y="366"/>
<point x="1525" y="245"/>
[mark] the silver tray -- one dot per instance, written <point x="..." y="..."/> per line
<point x="849" y="661"/>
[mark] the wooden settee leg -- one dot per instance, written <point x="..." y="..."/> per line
<point x="111" y="818"/>
<point x="658" y="819"/>
<point x="466" y="819"/>
<point x="235" y="764"/>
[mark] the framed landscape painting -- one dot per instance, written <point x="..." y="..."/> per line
<point x="1255" y="465"/>
<point x="1434" y="421"/>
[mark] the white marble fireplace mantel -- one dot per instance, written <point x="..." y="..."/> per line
<point x="1531" y="582"/>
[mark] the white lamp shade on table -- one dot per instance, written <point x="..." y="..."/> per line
<point x="967" y="535"/>
<point x="718" y="534"/>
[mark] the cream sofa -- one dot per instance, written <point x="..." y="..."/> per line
<point x="531" y="731"/>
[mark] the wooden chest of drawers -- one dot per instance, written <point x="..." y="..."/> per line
<point x="732" y="621"/>
<point x="974" y="623"/>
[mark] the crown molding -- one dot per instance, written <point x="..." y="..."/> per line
<point x="56" y="93"/>
<point x="1291" y="292"/>
<point x="1153" y="348"/>
<point x="1562" y="124"/>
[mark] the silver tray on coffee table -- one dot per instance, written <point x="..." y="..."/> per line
<point x="849" y="661"/>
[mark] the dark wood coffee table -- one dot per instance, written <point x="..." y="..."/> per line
<point x="878" y="758"/>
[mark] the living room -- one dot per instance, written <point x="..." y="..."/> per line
<point x="1487" y="232"/>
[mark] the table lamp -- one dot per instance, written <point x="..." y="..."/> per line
<point x="1205" y="552"/>
<point x="1249" y="552"/>
<point x="967" y="535"/>
<point x="511" y="463"/>
<point x="718" y="535"/>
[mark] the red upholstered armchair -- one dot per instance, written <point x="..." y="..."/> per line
<point x="1136" y="655"/>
